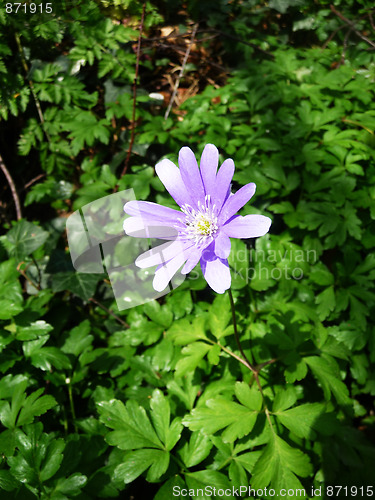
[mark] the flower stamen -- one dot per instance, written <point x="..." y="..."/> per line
<point x="200" y="224"/>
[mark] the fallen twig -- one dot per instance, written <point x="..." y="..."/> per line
<point x="37" y="178"/>
<point x="352" y="25"/>
<point x="12" y="188"/>
<point x="108" y="311"/>
<point x="174" y="93"/>
<point x="134" y="93"/>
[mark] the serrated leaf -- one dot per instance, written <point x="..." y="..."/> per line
<point x="319" y="274"/>
<point x="284" y="399"/>
<point x="46" y="357"/>
<point x="183" y="332"/>
<point x="237" y="418"/>
<point x="219" y="316"/>
<point x="79" y="339"/>
<point x="160" y="415"/>
<point x="296" y="369"/>
<point x="136" y="462"/>
<point x="251" y="398"/>
<point x="34" y="406"/>
<point x="39" y="455"/>
<point x="328" y="377"/>
<point x="196" y="450"/>
<point x="23" y="239"/>
<point x="279" y="464"/>
<point x="131" y="426"/>
<point x="193" y="355"/>
<point x="326" y="303"/>
<point x="35" y="330"/>
<point x="300" y="420"/>
<point x="22" y="408"/>
<point x="161" y="315"/>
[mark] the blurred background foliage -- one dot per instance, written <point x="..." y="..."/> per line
<point x="285" y="88"/>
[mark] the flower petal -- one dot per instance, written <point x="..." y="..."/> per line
<point x="249" y="226"/>
<point x="208" y="165"/>
<point x="165" y="273"/>
<point x="216" y="271"/>
<point x="222" y="183"/>
<point x="192" y="261"/>
<point x="222" y="245"/>
<point x="195" y="253"/>
<point x="136" y="227"/>
<point x="236" y="201"/>
<point x="152" y="211"/>
<point x="191" y="176"/>
<point x="170" y="176"/>
<point x="163" y="253"/>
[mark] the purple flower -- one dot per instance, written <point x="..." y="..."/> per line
<point x="200" y="231"/>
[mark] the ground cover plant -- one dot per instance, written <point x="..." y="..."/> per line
<point x="271" y="385"/>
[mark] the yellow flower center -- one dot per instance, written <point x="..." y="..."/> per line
<point x="203" y="225"/>
<point x="200" y="223"/>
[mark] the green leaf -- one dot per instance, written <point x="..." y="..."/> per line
<point x="136" y="462"/>
<point x="9" y="383"/>
<point x="219" y="316"/>
<point x="180" y="303"/>
<point x="196" y="450"/>
<point x="301" y="420"/>
<point x="23" y="239"/>
<point x="279" y="464"/>
<point x="284" y="399"/>
<point x="239" y="419"/>
<point x="296" y="369"/>
<point x="326" y="303"/>
<point x="8" y="442"/>
<point x="39" y="455"/>
<point x="45" y="357"/>
<point x="85" y="129"/>
<point x="200" y="480"/>
<point x="79" y="339"/>
<point x="319" y="274"/>
<point x="160" y="416"/>
<point x="328" y="375"/>
<point x="161" y="315"/>
<point x="131" y="426"/>
<point x="193" y="355"/>
<point x="71" y="485"/>
<point x="81" y="284"/>
<point x="7" y="481"/>
<point x="164" y="493"/>
<point x="251" y="398"/>
<point x="52" y="459"/>
<point x="9" y="308"/>
<point x="23" y="409"/>
<point x="35" y="330"/>
<point x="183" y="332"/>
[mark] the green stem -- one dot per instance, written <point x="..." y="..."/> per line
<point x="71" y="402"/>
<point x="231" y="353"/>
<point x="254" y="369"/>
<point x="179" y="463"/>
<point x="250" y="366"/>
<point x="31" y="85"/>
